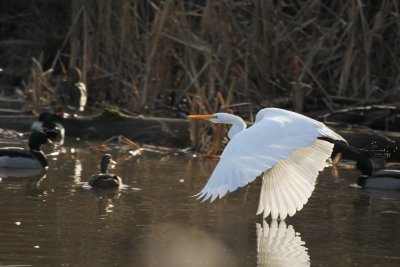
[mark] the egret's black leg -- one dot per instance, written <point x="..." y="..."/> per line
<point x="354" y="153"/>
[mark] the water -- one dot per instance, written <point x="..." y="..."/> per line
<point x="55" y="220"/>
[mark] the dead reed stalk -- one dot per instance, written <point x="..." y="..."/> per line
<point x="144" y="55"/>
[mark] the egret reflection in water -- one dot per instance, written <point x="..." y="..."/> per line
<point x="279" y="245"/>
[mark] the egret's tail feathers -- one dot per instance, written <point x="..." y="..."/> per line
<point x="287" y="186"/>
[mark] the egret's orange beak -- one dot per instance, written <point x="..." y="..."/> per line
<point x="201" y="117"/>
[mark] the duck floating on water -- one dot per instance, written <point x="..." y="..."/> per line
<point x="387" y="179"/>
<point x="104" y="179"/>
<point x="73" y="91"/>
<point x="46" y="122"/>
<point x="34" y="158"/>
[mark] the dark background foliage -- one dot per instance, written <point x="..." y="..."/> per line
<point x="154" y="56"/>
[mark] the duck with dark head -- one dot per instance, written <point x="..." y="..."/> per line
<point x="104" y="179"/>
<point x="387" y="179"/>
<point x="47" y="122"/>
<point x="32" y="158"/>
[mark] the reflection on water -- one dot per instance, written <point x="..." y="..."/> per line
<point x="52" y="219"/>
<point x="77" y="171"/>
<point x="279" y="245"/>
<point x="179" y="245"/>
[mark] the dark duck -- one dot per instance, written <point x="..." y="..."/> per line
<point x="46" y="122"/>
<point x="19" y="158"/>
<point x="386" y="179"/>
<point x="371" y="163"/>
<point x="73" y="91"/>
<point x="104" y="179"/>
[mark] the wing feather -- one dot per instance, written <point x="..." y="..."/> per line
<point x="275" y="136"/>
<point x="299" y="182"/>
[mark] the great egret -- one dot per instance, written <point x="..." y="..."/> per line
<point x="34" y="158"/>
<point x="387" y="179"/>
<point x="105" y="179"/>
<point x="284" y="146"/>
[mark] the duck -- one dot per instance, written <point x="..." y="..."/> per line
<point x="386" y="179"/>
<point x="32" y="158"/>
<point x="104" y="179"/>
<point x="46" y="122"/>
<point x="73" y="91"/>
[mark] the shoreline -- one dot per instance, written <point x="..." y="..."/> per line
<point x="175" y="132"/>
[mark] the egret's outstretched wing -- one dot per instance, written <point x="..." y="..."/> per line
<point x="275" y="136"/>
<point x="287" y="186"/>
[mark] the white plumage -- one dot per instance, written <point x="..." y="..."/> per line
<point x="283" y="146"/>
<point x="279" y="245"/>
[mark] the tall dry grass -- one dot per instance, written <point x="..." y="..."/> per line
<point x="135" y="53"/>
<point x="311" y="54"/>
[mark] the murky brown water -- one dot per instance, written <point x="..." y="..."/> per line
<point x="55" y="221"/>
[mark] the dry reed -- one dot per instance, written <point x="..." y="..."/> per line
<point x="312" y="54"/>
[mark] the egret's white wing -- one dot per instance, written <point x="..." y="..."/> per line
<point x="275" y="136"/>
<point x="287" y="186"/>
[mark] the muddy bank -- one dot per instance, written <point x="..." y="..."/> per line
<point x="157" y="131"/>
<point x="174" y="132"/>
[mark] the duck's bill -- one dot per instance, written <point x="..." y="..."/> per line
<point x="201" y="117"/>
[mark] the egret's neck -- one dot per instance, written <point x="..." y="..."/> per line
<point x="238" y="125"/>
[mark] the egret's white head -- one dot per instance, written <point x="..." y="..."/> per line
<point x="237" y="122"/>
<point x="216" y="118"/>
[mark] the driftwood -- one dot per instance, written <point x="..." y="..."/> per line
<point x="380" y="117"/>
<point x="175" y="132"/>
<point x="157" y="131"/>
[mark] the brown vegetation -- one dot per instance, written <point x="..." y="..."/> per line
<point x="150" y="56"/>
<point x="144" y="55"/>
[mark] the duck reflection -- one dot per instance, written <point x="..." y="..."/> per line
<point x="34" y="188"/>
<point x="279" y="245"/>
<point x="106" y="200"/>
<point x="31" y="178"/>
<point x="77" y="171"/>
<point x="106" y="205"/>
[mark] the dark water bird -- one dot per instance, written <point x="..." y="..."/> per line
<point x="46" y="122"/>
<point x="34" y="158"/>
<point x="386" y="179"/>
<point x="104" y="179"/>
<point x="73" y="91"/>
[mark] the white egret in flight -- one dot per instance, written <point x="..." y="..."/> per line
<point x="289" y="149"/>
